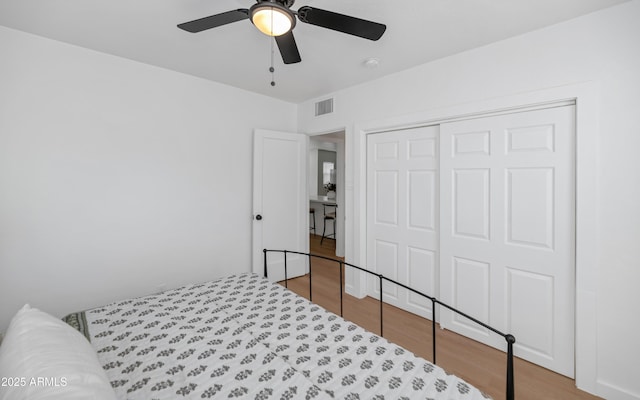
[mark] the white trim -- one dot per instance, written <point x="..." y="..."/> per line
<point x="609" y="391"/>
<point x="585" y="96"/>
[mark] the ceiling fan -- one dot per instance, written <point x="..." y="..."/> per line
<point x="275" y="18"/>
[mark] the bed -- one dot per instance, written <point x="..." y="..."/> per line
<point x="243" y="336"/>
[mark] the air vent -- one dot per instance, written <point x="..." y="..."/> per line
<point x="324" y="107"/>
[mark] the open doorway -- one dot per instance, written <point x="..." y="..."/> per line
<point x="326" y="183"/>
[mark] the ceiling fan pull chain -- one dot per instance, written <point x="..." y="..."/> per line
<point x="271" y="69"/>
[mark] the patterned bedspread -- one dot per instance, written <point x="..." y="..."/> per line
<point x="244" y="337"/>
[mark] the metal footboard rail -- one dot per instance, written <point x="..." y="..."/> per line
<point x="510" y="339"/>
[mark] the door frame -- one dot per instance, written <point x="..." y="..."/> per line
<point x="339" y="137"/>
<point x="585" y="97"/>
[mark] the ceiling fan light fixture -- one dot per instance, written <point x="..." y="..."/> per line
<point x="271" y="18"/>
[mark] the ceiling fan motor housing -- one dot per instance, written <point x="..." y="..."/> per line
<point x="269" y="9"/>
<point x="286" y="3"/>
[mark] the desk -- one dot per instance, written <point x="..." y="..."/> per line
<point x="321" y="199"/>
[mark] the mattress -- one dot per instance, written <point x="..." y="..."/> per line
<point x="245" y="337"/>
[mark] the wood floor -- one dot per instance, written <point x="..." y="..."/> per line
<point x="480" y="365"/>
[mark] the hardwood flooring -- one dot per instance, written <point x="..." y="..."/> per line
<point x="480" y="365"/>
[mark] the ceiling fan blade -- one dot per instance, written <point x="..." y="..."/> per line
<point x="341" y="23"/>
<point x="214" y="21"/>
<point x="288" y="48"/>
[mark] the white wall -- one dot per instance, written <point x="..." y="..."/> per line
<point x="603" y="48"/>
<point x="117" y="177"/>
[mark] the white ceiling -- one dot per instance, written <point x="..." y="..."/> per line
<point x="237" y="54"/>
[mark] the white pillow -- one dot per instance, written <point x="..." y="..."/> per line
<point x="42" y="357"/>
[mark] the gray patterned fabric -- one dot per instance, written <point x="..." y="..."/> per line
<point x="244" y="337"/>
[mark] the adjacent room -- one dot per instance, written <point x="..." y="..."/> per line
<point x="481" y="152"/>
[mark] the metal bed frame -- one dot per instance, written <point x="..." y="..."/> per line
<point x="510" y="339"/>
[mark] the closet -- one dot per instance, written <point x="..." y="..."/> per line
<point x="480" y="212"/>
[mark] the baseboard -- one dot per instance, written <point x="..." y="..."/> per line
<point x="609" y="391"/>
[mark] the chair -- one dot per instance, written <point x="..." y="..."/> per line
<point x="312" y="226"/>
<point x="329" y="216"/>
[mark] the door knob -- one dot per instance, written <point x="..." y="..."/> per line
<point x="258" y="217"/>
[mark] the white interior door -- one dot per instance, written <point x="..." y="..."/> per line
<point x="402" y="214"/>
<point x="280" y="201"/>
<point x="507" y="231"/>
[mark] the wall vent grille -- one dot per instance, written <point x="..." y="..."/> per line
<point x="324" y="107"/>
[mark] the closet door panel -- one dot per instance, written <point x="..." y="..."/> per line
<point x="507" y="231"/>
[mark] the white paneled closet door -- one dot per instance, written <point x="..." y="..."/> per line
<point x="507" y="234"/>
<point x="402" y="214"/>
